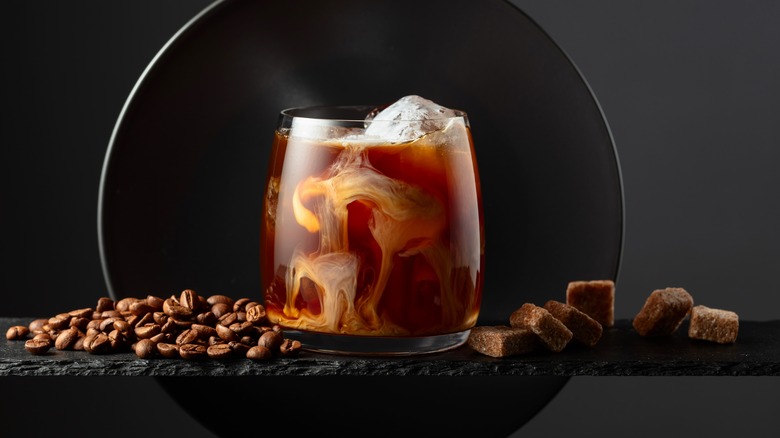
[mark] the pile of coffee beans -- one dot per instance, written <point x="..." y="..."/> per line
<point x="187" y="326"/>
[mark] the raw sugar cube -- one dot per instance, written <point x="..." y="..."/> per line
<point x="715" y="325"/>
<point x="501" y="340"/>
<point x="595" y="298"/>
<point x="663" y="312"/>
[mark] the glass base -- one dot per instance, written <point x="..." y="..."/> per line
<point x="377" y="345"/>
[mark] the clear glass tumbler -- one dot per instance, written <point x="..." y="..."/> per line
<point x="372" y="239"/>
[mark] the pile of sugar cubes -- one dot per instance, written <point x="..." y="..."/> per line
<point x="588" y="310"/>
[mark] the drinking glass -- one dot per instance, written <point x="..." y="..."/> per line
<point x="372" y="239"/>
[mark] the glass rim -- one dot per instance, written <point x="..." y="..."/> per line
<point x="361" y="109"/>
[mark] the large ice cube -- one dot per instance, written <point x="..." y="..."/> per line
<point x="407" y="119"/>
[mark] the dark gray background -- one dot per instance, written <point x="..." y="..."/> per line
<point x="689" y="90"/>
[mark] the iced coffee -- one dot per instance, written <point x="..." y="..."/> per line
<point x="372" y="237"/>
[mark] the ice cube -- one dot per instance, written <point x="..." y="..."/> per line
<point x="407" y="119"/>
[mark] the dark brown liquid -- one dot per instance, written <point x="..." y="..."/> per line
<point x="373" y="239"/>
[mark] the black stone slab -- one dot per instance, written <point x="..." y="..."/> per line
<point x="620" y="352"/>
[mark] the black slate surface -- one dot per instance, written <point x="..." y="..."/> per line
<point x="620" y="352"/>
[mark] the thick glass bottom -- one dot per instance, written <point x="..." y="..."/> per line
<point x="377" y="345"/>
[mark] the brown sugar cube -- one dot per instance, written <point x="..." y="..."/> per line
<point x="716" y="325"/>
<point x="585" y="329"/>
<point x="663" y="312"/>
<point x="552" y="332"/>
<point x="595" y="298"/>
<point x="501" y="340"/>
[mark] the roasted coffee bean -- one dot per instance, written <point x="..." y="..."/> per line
<point x="147" y="318"/>
<point x="37" y="346"/>
<point x="228" y="319"/>
<point x="168" y="350"/>
<point x="259" y="353"/>
<point x="188" y="336"/>
<point x="103" y="304"/>
<point x="240" y="304"/>
<point x="81" y="313"/>
<point x="207" y="318"/>
<point x="146" y="331"/>
<point x="79" y="344"/>
<point x="182" y="324"/>
<point x="226" y="334"/>
<point x="219" y="351"/>
<point x="108" y="324"/>
<point x="220" y="299"/>
<point x="118" y="339"/>
<point x="66" y="339"/>
<point x="155" y="302"/>
<point x="140" y="308"/>
<point x="92" y="331"/>
<point x="97" y="344"/>
<point x="123" y="305"/>
<point x="160" y="317"/>
<point x="177" y="311"/>
<point x="17" y="332"/>
<point x="121" y="325"/>
<point x="290" y="347"/>
<point x="44" y="336"/>
<point x="270" y="340"/>
<point x="80" y="323"/>
<point x="169" y="326"/>
<point x="59" y="322"/>
<point x="239" y="348"/>
<point x="145" y="348"/>
<point x="220" y="309"/>
<point x="192" y="351"/>
<point x="111" y="314"/>
<point x="36" y="325"/>
<point x="189" y="299"/>
<point x="204" y="331"/>
<point x="248" y="341"/>
<point x="214" y="340"/>
<point x="256" y="314"/>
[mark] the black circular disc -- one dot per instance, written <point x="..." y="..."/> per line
<point x="182" y="186"/>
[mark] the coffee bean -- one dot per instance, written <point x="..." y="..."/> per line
<point x="168" y="350"/>
<point x="239" y="348"/>
<point x="155" y="302"/>
<point x="259" y="353"/>
<point x="66" y="339"/>
<point x="147" y="331"/>
<point x="118" y="340"/>
<point x="204" y="331"/>
<point x="97" y="343"/>
<point x="36" y="325"/>
<point x="271" y="340"/>
<point x="145" y="348"/>
<point x="219" y="351"/>
<point x="140" y="308"/>
<point x="256" y="314"/>
<point x="240" y="304"/>
<point x="103" y="304"/>
<point x="189" y="299"/>
<point x="290" y="347"/>
<point x="226" y="334"/>
<point x="81" y="313"/>
<point x="37" y="346"/>
<point x="220" y="299"/>
<point x="192" y="351"/>
<point x="17" y="332"/>
<point x="188" y="336"/>
<point x="59" y="322"/>
<point x="220" y="309"/>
